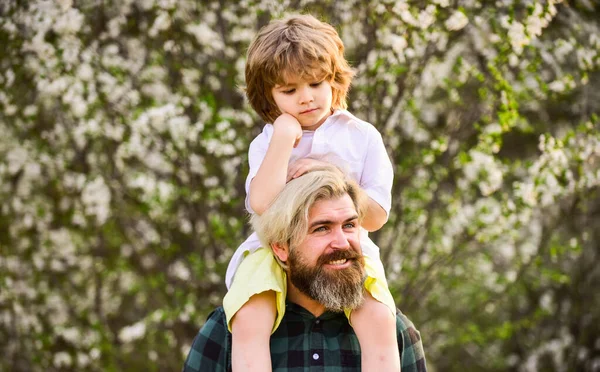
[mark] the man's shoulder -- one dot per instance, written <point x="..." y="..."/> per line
<point x="211" y="348"/>
<point x="406" y="325"/>
<point x="216" y="322"/>
<point x="411" y="348"/>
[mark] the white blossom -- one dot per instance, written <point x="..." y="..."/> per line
<point x="179" y="270"/>
<point x="96" y="197"/>
<point x="69" y="22"/>
<point x="457" y="21"/>
<point x="16" y="159"/>
<point x="83" y="359"/>
<point x="133" y="332"/>
<point x="161" y="23"/>
<point x="517" y="36"/>
<point x="557" y="86"/>
<point x="426" y="17"/>
<point x="65" y="5"/>
<point x="62" y="360"/>
<point x="205" y="35"/>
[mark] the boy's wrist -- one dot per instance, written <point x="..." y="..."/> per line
<point x="284" y="135"/>
<point x="287" y="132"/>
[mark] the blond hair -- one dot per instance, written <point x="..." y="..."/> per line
<point x="295" y="46"/>
<point x="286" y="220"/>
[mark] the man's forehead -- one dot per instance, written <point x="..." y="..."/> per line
<point x="335" y="209"/>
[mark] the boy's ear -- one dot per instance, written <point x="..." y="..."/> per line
<point x="281" y="251"/>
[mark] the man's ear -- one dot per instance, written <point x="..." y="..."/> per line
<point x="281" y="251"/>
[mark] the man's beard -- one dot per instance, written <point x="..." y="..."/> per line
<point x="335" y="289"/>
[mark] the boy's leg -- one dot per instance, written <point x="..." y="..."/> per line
<point x="251" y="333"/>
<point x="375" y="327"/>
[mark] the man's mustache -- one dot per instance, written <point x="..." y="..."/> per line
<point x="343" y="254"/>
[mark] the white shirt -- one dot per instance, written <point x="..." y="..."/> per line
<point x="351" y="144"/>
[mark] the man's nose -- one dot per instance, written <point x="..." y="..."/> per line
<point x="339" y="240"/>
<point x="305" y="95"/>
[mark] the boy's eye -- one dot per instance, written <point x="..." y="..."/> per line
<point x="288" y="91"/>
<point x="316" y="84"/>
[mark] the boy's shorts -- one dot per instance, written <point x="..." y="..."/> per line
<point x="260" y="272"/>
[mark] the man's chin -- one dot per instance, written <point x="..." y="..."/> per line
<point x="336" y="286"/>
<point x="343" y="276"/>
<point x="339" y="289"/>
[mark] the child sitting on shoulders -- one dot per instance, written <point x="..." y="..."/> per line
<point x="297" y="79"/>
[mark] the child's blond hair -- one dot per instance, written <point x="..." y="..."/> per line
<point x="296" y="46"/>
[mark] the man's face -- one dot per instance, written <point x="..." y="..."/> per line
<point x="328" y="265"/>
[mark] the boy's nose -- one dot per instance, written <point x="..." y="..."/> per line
<point x="305" y="96"/>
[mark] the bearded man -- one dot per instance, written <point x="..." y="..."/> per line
<point x="313" y="228"/>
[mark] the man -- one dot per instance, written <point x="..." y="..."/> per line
<point x="313" y="229"/>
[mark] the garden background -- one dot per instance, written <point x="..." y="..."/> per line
<point x="124" y="133"/>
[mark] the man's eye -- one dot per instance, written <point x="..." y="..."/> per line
<point x="320" y="228"/>
<point x="349" y="225"/>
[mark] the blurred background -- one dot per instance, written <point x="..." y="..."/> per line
<point x="123" y="157"/>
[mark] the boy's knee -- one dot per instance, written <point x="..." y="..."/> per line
<point x="377" y="307"/>
<point x="383" y="316"/>
<point x="258" y="313"/>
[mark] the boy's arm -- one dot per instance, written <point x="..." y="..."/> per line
<point x="272" y="174"/>
<point x="375" y="218"/>
<point x="376" y="179"/>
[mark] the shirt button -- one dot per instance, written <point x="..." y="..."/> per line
<point x="316" y="356"/>
<point x="317" y="321"/>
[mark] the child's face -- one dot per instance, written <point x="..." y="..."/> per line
<point x="308" y="101"/>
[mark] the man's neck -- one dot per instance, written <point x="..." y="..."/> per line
<point x="294" y="295"/>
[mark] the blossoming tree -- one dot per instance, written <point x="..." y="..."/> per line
<point x="122" y="163"/>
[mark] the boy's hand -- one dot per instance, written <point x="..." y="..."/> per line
<point x="287" y="127"/>
<point x="302" y="166"/>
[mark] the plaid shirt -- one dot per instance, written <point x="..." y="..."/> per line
<point x="302" y="342"/>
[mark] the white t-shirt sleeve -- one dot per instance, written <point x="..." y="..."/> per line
<point x="377" y="174"/>
<point x="256" y="155"/>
